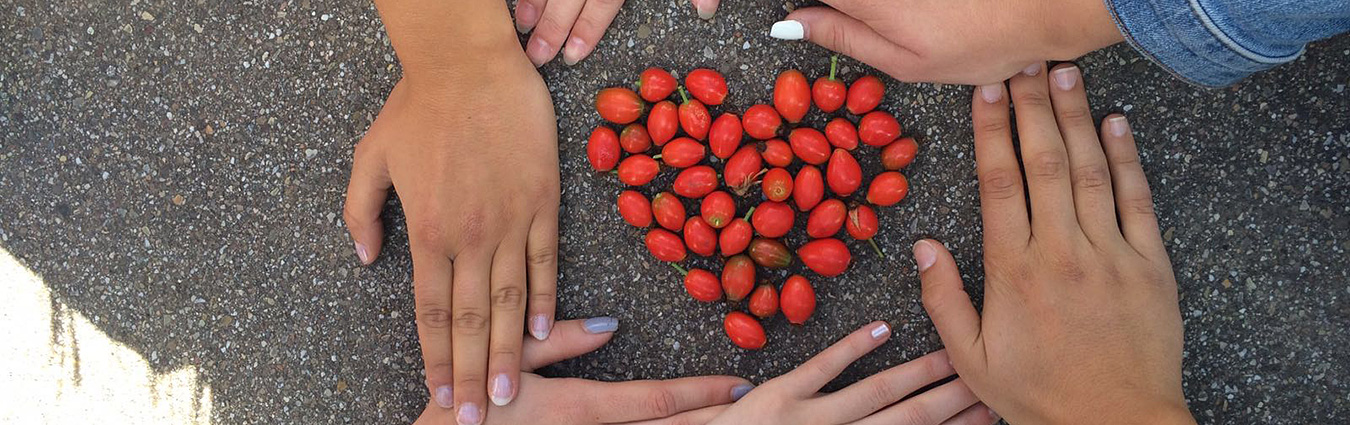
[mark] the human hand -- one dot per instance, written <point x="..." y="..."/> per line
<point x="1080" y="321"/>
<point x="575" y="26"/>
<point x="793" y="397"/>
<point x="473" y="155"/>
<point x="570" y="401"/>
<point x="960" y="41"/>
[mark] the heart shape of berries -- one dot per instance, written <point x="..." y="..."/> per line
<point x="754" y="239"/>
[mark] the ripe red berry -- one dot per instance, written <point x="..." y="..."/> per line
<point x="635" y="209"/>
<point x="826" y="219"/>
<point x="887" y="189"/>
<point x="744" y="331"/>
<point x="808" y="188"/>
<point x="669" y="211"/>
<point x="761" y="122"/>
<point x="899" y="154"/>
<point x="725" y="136"/>
<point x="637" y="170"/>
<point x="865" y="94"/>
<point x="844" y="175"/>
<point x="656" y="84"/>
<point x="699" y="237"/>
<point x="777" y="184"/>
<point x="706" y="85"/>
<point x="777" y="153"/>
<point x="878" y="128"/>
<point x="634" y="139"/>
<point x="798" y="299"/>
<point x="602" y="149"/>
<point x="665" y="245"/>
<point x="618" y="105"/>
<point x="828" y="257"/>
<point x="792" y="95"/>
<point x="772" y="219"/>
<point x="764" y="301"/>
<point x="718" y="208"/>
<point x="738" y="277"/>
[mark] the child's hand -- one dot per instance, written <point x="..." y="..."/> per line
<point x="575" y="26"/>
<point x="1080" y="321"/>
<point x="793" y="399"/>
<point x="955" y="41"/>
<point x="472" y="152"/>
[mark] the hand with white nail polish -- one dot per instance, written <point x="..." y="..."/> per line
<point x="570" y="401"/>
<point x="960" y="41"/>
<point x="1080" y="322"/>
<point x="574" y="26"/>
<point x="794" y="399"/>
<point x="483" y="241"/>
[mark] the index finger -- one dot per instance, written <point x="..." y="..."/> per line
<point x="824" y="367"/>
<point x="1003" y="202"/>
<point x="610" y="402"/>
<point x="431" y="303"/>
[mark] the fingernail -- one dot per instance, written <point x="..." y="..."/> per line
<point x="787" y="30"/>
<point x="1066" y="77"/>
<point x="992" y="414"/>
<point x="1032" y="69"/>
<point x="1118" y="126"/>
<point x="573" y="51"/>
<point x="538" y="51"/>
<point x="501" y="390"/>
<point x="362" y="253"/>
<point x="599" y="325"/>
<point x="740" y="391"/>
<point x="445" y="397"/>
<point x="705" y="10"/>
<point x="540" y="327"/>
<point x="526" y="17"/>
<point x="924" y="255"/>
<point x="991" y="93"/>
<point x="881" y="330"/>
<point x="469" y="414"/>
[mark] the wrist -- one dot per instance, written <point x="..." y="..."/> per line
<point x="1084" y="26"/>
<point x="432" y="37"/>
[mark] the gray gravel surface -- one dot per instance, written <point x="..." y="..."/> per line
<point x="175" y="170"/>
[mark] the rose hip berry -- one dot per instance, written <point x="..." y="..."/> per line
<point x="682" y="152"/>
<point x="772" y="219"/>
<point x="602" y="149"/>
<point x="829" y="92"/>
<point x="798" y="299"/>
<point x="634" y="139"/>
<point x="700" y="237"/>
<point x="701" y="284"/>
<point x="744" y="331"/>
<point x="718" y="208"/>
<point x="842" y="134"/>
<point x="706" y="85"/>
<point x="792" y="95"/>
<point x="663" y="122"/>
<point x="769" y="253"/>
<point x="655" y="84"/>
<point x="844" y="175"/>
<point x="899" y="154"/>
<point x="777" y="153"/>
<point x="808" y="188"/>
<point x="695" y="182"/>
<point x="725" y="136"/>
<point x="738" y="276"/>
<point x="826" y="219"/>
<point x="764" y="302"/>
<point x="635" y="209"/>
<point x="809" y="145"/>
<point x="740" y="171"/>
<point x="878" y="128"/>
<point x="777" y="184"/>
<point x="618" y="105"/>
<point x="637" y="170"/>
<point x="694" y="117"/>
<point x="665" y="245"/>
<point x="865" y="94"/>
<point x="761" y="122"/>
<point x="669" y="211"/>
<point x="735" y="238"/>
<point x="862" y="223"/>
<point x="827" y="257"/>
<point x="887" y="189"/>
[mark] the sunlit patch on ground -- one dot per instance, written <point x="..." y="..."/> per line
<point x="57" y="367"/>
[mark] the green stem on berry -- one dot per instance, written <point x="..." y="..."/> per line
<point x="873" y="242"/>
<point x="657" y="156"/>
<point x="748" y="212"/>
<point x="834" y="64"/>
<point x="683" y="96"/>
<point x="681" y="269"/>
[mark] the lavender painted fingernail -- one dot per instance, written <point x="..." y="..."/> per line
<point x="1065" y="78"/>
<point x="740" y="391"/>
<point x="540" y="327"/>
<point x="502" y="391"/>
<point x="991" y="93"/>
<point x="1032" y="69"/>
<point x="1118" y="126"/>
<point x="598" y="325"/>
<point x="445" y="397"/>
<point x="469" y="414"/>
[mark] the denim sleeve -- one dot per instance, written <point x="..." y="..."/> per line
<point x="1218" y="42"/>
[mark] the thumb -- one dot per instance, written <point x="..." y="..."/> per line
<point x="945" y="299"/>
<point x="845" y="34"/>
<point x="705" y="8"/>
<point x="366" y="193"/>
<point x="569" y="338"/>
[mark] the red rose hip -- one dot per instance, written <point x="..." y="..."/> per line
<point x="718" y="208"/>
<point x="777" y="153"/>
<point x="682" y="152"/>
<point x="744" y="330"/>
<point x="761" y="122"/>
<point x="769" y="253"/>
<point x="706" y="85"/>
<point x="810" y="145"/>
<point x="701" y="284"/>
<point x="669" y="211"/>
<point x="635" y="209"/>
<point x="725" y="136"/>
<point x="899" y="154"/>
<point x="798" y="299"/>
<point x="878" y="128"/>
<point x="665" y="245"/>
<point x="772" y="219"/>
<point x="791" y="95"/>
<point x="602" y="149"/>
<point x="827" y="257"/>
<point x="764" y="302"/>
<point x="777" y="184"/>
<point x="826" y="219"/>
<point x="663" y="122"/>
<point x="738" y="276"/>
<point x="618" y="105"/>
<point x="808" y="188"/>
<point x="865" y="94"/>
<point x="634" y="139"/>
<point x="655" y="84"/>
<point x="862" y="223"/>
<point x="829" y="93"/>
<point x="699" y="237"/>
<point x="637" y="170"/>
<point x="887" y="189"/>
<point x="694" y="117"/>
<point x="735" y="238"/>
<point x="740" y="172"/>
<point x="695" y="182"/>
<point x="844" y="175"/>
<point x="842" y="134"/>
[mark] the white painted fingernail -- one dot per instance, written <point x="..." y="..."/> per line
<point x="787" y="30"/>
<point x="880" y="331"/>
<point x="573" y="51"/>
<point x="1118" y="126"/>
<point x="1065" y="78"/>
<point x="1032" y="70"/>
<point x="362" y="253"/>
<point x="540" y="327"/>
<point x="991" y="93"/>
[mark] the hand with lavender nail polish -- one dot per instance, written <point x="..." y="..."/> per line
<point x="573" y="26"/>
<point x="570" y="401"/>
<point x="794" y="398"/>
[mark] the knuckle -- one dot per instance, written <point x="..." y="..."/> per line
<point x="1030" y="99"/>
<point x="542" y="297"/>
<point x="1093" y="177"/>
<point x="427" y="229"/>
<point x="1125" y="161"/>
<point x="1000" y="184"/>
<point x="910" y="414"/>
<point x="471" y="322"/>
<point x="510" y="298"/>
<point x="433" y="317"/>
<point x="1048" y="165"/>
<point x="838" y="37"/>
<point x="1068" y="267"/>
<point x="1077" y="114"/>
<point x="992" y="126"/>
<point x="473" y="228"/>
<point x="661" y="402"/>
<point x="546" y="256"/>
<point x="883" y="393"/>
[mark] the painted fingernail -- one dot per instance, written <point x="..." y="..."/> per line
<point x="740" y="391"/>
<point x="991" y="93"/>
<point x="445" y="397"/>
<point x="705" y="8"/>
<point x="539" y="51"/>
<point x="362" y="253"/>
<point x="469" y="414"/>
<point x="881" y="330"/>
<point x="1118" y="126"/>
<point x="1032" y="69"/>
<point x="573" y="51"/>
<point x="526" y="17"/>
<point x="599" y="325"/>
<point x="1066" y="77"/>
<point x="787" y="30"/>
<point x="924" y="255"/>
<point x="540" y="327"/>
<point x="502" y="393"/>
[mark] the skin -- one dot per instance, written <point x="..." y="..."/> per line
<point x="959" y="41"/>
<point x="1080" y="321"/>
<point x="794" y="398"/>
<point x="570" y="401"/>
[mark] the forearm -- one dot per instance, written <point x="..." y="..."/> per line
<point x="438" y="36"/>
